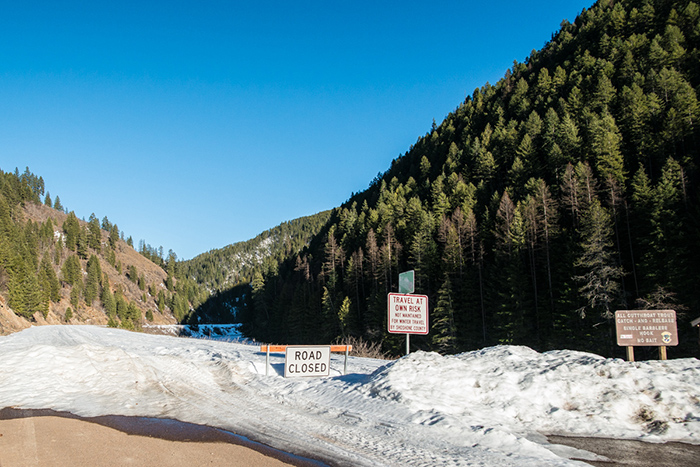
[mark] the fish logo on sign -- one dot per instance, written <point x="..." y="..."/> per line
<point x="666" y="337"/>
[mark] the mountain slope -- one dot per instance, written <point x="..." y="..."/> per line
<point x="56" y="269"/>
<point x="223" y="268"/>
<point x="230" y="272"/>
<point x="537" y="208"/>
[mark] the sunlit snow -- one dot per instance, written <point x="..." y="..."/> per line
<point x="491" y="407"/>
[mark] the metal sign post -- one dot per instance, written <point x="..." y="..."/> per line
<point x="407" y="286"/>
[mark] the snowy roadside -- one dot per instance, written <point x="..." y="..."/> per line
<point x="489" y="407"/>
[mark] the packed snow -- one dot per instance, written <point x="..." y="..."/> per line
<point x="491" y="407"/>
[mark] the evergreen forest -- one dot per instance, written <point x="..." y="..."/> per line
<point x="539" y="206"/>
<point x="235" y="264"/>
<point x="55" y="268"/>
<point x="227" y="273"/>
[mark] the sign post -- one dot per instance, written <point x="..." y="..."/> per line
<point x="408" y="314"/>
<point x="646" y="328"/>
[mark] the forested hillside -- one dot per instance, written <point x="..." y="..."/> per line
<point x="542" y="204"/>
<point x="228" y="272"/>
<point x="55" y="268"/>
<point x="234" y="264"/>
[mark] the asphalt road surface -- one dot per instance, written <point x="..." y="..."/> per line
<point x="48" y="438"/>
<point x="634" y="453"/>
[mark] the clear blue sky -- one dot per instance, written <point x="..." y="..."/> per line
<point x="194" y="125"/>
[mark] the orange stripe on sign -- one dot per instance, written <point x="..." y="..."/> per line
<point x="282" y="348"/>
<point x="273" y="348"/>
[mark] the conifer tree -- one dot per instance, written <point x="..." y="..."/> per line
<point x="82" y="243"/>
<point x="92" y="280"/>
<point x="94" y="233"/>
<point x="75" y="296"/>
<point x="605" y="145"/>
<point x="600" y="275"/>
<point x="108" y="302"/>
<point x="443" y="328"/>
<point x="113" y="236"/>
<point x="510" y="285"/>
<point x="49" y="281"/>
<point x="161" y="301"/>
<point x="71" y="229"/>
<point x="25" y="296"/>
<point x="71" y="271"/>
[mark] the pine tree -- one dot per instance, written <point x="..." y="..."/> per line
<point x="443" y="328"/>
<point x="161" y="301"/>
<point x="82" y="243"/>
<point x="600" y="275"/>
<point x="75" y="296"/>
<point x="334" y="256"/>
<point x="57" y="204"/>
<point x="345" y="318"/>
<point x="605" y="145"/>
<point x="108" y="303"/>
<point x="49" y="281"/>
<point x="330" y="313"/>
<point x="71" y="271"/>
<point x="510" y="284"/>
<point x="94" y="234"/>
<point x="666" y="259"/>
<point x="25" y="296"/>
<point x="92" y="280"/>
<point x="71" y="229"/>
<point x="113" y="236"/>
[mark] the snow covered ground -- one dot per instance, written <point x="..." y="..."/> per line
<point x="490" y="407"/>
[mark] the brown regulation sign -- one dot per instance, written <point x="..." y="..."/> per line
<point x="646" y="327"/>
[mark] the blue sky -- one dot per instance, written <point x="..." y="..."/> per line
<point x="194" y="125"/>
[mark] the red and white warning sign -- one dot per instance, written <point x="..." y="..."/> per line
<point x="408" y="314"/>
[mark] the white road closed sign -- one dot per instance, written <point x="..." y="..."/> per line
<point x="308" y="360"/>
<point x="408" y="314"/>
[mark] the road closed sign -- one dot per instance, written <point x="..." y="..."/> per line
<point x="408" y="314"/>
<point x="308" y="360"/>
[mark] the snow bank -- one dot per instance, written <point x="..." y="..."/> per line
<point x="558" y="392"/>
<point x="489" y="407"/>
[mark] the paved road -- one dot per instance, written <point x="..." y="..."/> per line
<point x="635" y="453"/>
<point x="44" y="438"/>
<point x="49" y="438"/>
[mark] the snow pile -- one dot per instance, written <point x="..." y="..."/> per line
<point x="563" y="392"/>
<point x="489" y="407"/>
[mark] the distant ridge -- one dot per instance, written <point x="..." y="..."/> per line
<point x="223" y="268"/>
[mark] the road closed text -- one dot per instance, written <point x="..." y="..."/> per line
<point x="307" y="361"/>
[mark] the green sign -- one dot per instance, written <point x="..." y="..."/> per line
<point x="406" y="282"/>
